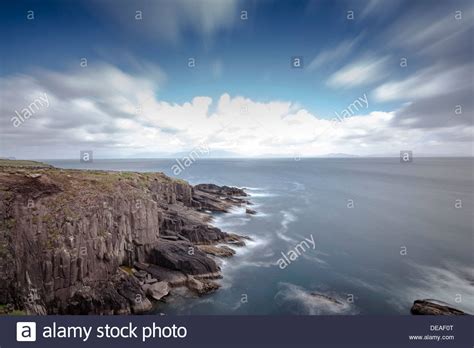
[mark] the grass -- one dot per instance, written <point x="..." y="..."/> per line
<point x="15" y="312"/>
<point x="23" y="164"/>
<point x="127" y="269"/>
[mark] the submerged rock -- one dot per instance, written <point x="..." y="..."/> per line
<point x="431" y="307"/>
<point x="325" y="298"/>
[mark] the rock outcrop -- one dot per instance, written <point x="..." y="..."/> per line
<point x="217" y="250"/>
<point x="66" y="237"/>
<point x="182" y="256"/>
<point x="433" y="307"/>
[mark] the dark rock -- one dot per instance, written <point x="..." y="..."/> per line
<point x="169" y="237"/>
<point x="236" y="240"/>
<point x="203" y="234"/>
<point x="130" y="289"/>
<point x="201" y="286"/>
<point x="102" y="299"/>
<point x="217" y="198"/>
<point x="221" y="190"/>
<point x="326" y="298"/>
<point x="250" y="211"/>
<point x="141" y="274"/>
<point x="220" y="251"/>
<point x="182" y="256"/>
<point x="172" y="277"/>
<point x="433" y="307"/>
<point x="150" y="280"/>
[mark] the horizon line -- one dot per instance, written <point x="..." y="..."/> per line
<point x="294" y="158"/>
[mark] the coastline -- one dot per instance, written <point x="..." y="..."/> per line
<point x="122" y="242"/>
<point x="106" y="242"/>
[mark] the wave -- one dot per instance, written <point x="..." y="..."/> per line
<point x="288" y="217"/>
<point x="450" y="283"/>
<point x="236" y="216"/>
<point x="301" y="301"/>
<point x="251" y="245"/>
<point x="262" y="194"/>
<point x="298" y="186"/>
<point x="315" y="257"/>
<point x="247" y="188"/>
<point x="226" y="224"/>
<point x="243" y="258"/>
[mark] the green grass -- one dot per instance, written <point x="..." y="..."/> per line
<point x="15" y="312"/>
<point x="23" y="164"/>
<point x="127" y="269"/>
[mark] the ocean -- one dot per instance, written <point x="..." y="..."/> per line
<point x="385" y="234"/>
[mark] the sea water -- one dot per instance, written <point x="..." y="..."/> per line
<point x="386" y="233"/>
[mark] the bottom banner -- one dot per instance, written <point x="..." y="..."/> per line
<point x="236" y="331"/>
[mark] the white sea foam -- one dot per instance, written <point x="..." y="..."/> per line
<point x="315" y="256"/>
<point x="442" y="284"/>
<point x="288" y="217"/>
<point x="226" y="224"/>
<point x="262" y="194"/>
<point x="302" y="301"/>
<point x="246" y="188"/>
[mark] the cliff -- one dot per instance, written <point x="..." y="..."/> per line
<point x="102" y="242"/>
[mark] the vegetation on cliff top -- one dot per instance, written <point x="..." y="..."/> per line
<point x="23" y="164"/>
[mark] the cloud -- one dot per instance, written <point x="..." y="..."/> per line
<point x="429" y="82"/>
<point x="336" y="53"/>
<point x="361" y="72"/>
<point x="118" y="114"/>
<point x="171" y="20"/>
<point x="435" y="30"/>
<point x="440" y="39"/>
<point x="378" y="9"/>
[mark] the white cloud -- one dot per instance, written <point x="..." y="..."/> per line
<point x="336" y="53"/>
<point x="361" y="72"/>
<point x="429" y="82"/>
<point x="121" y="116"/>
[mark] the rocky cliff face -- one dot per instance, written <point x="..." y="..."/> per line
<point x="70" y="240"/>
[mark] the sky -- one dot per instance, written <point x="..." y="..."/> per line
<point x="144" y="79"/>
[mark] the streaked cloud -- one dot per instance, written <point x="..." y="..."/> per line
<point x="361" y="72"/>
<point x="336" y="53"/>
<point x="429" y="82"/>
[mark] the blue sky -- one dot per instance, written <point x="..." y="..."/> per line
<point x="344" y="59"/>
